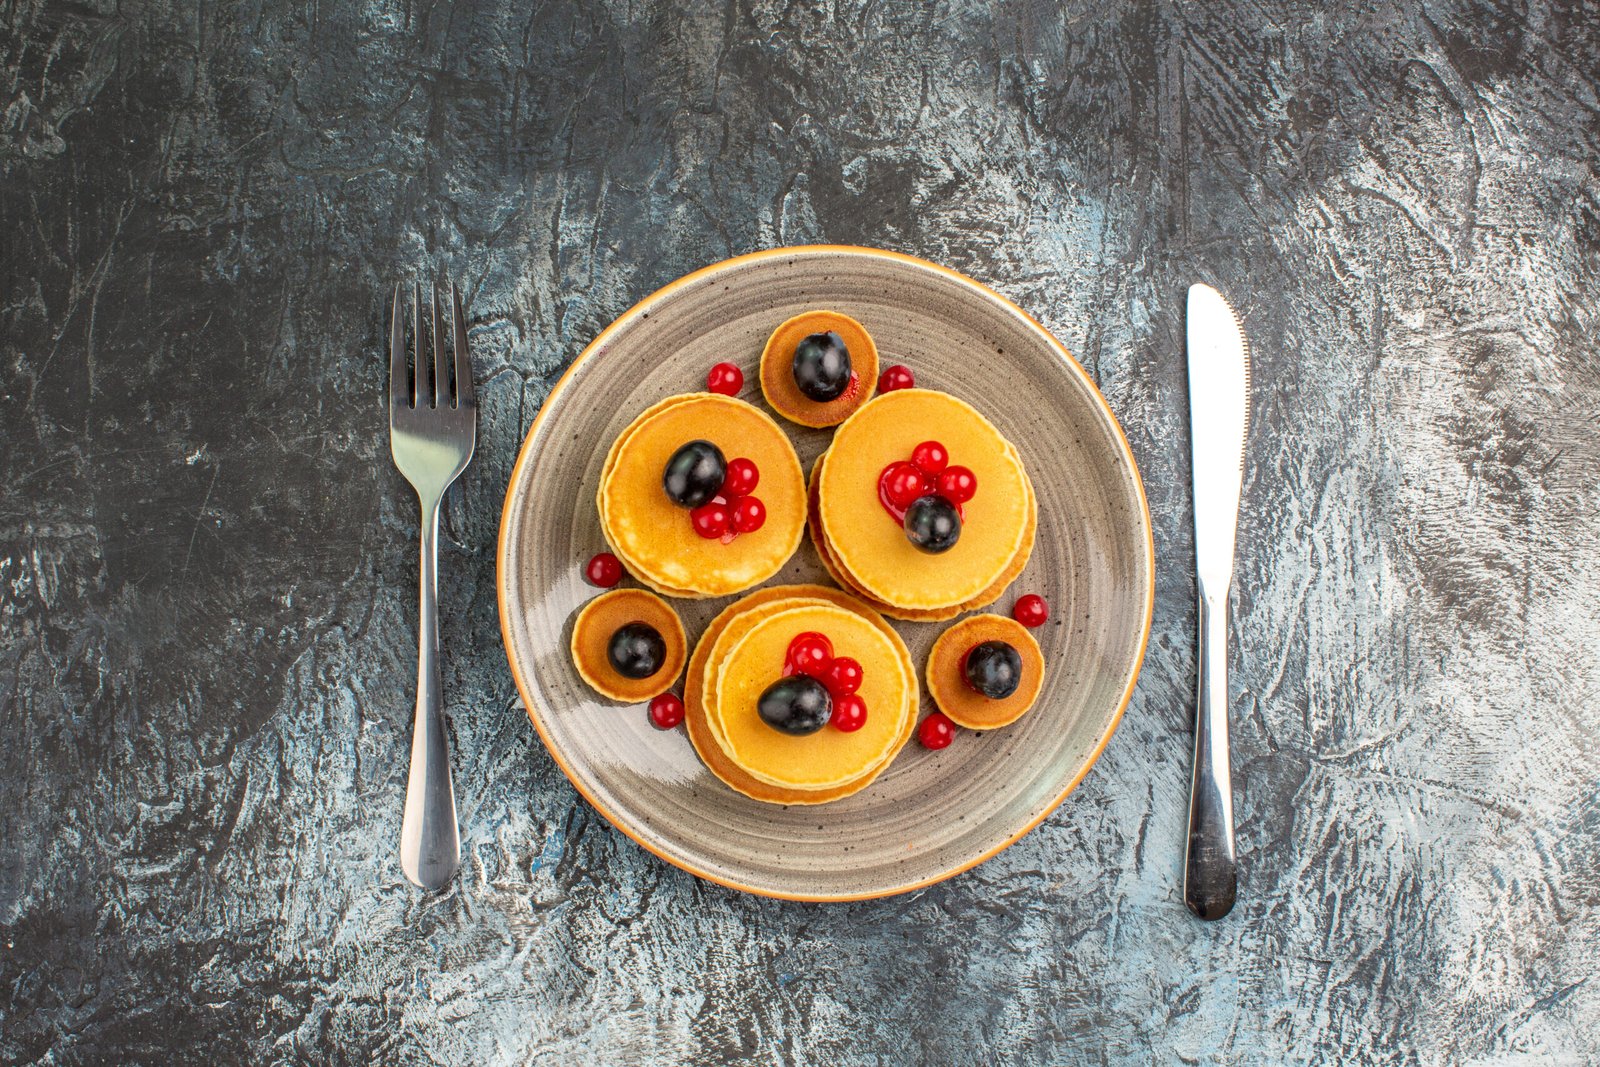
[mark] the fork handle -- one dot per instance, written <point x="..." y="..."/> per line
<point x="430" y="844"/>
<point x="1211" y="874"/>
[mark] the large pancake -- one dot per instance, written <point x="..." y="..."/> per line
<point x="654" y="538"/>
<point x="828" y="757"/>
<point x="872" y="549"/>
<point x="695" y="719"/>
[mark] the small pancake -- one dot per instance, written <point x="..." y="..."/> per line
<point x="777" y="369"/>
<point x="654" y="538"/>
<point x="872" y="549"/>
<point x="604" y="616"/>
<point x="828" y="757"/>
<point x="695" y="717"/>
<point x="947" y="682"/>
<point x="984" y="599"/>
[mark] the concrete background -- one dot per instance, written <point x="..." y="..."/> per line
<point x="206" y="558"/>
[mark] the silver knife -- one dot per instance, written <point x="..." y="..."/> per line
<point x="1219" y="419"/>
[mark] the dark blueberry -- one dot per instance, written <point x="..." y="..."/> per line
<point x="798" y="704"/>
<point x="822" y="366"/>
<point x="637" y="650"/>
<point x="694" y="474"/>
<point x="994" y="669"/>
<point x="933" y="524"/>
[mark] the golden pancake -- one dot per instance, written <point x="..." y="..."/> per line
<point x="947" y="682"/>
<point x="871" y="548"/>
<point x="828" y="757"/>
<point x="983" y="599"/>
<point x="694" y="690"/>
<point x="777" y="369"/>
<point x="591" y="639"/>
<point x="654" y="538"/>
<point x="739" y="625"/>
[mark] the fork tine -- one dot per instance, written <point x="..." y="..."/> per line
<point x="419" y="341"/>
<point x="398" y="385"/>
<point x="464" y="396"/>
<point x="441" y="368"/>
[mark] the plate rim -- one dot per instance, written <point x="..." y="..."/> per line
<point x="502" y="585"/>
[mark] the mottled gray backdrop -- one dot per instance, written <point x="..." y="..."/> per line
<point x="206" y="559"/>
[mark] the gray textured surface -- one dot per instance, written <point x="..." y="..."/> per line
<point x="206" y="560"/>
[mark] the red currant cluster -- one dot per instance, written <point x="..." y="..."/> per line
<point x="928" y="473"/>
<point x="733" y="510"/>
<point x="811" y="654"/>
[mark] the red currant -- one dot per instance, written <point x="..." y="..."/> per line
<point x="849" y="713"/>
<point x="1031" y="610"/>
<point x="604" y="570"/>
<point x="930" y="457"/>
<point x="957" y="484"/>
<point x="666" y="711"/>
<point x="711" y="520"/>
<point x="936" y="731"/>
<point x="896" y="376"/>
<point x="726" y="379"/>
<point x="904" y="483"/>
<point x="843" y="677"/>
<point x="809" y="653"/>
<point x="741" y="479"/>
<point x="748" y="514"/>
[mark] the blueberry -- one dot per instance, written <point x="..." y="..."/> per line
<point x="798" y="704"/>
<point x="994" y="669"/>
<point x="637" y="650"/>
<point x="694" y="474"/>
<point x="822" y="366"/>
<point x="933" y="524"/>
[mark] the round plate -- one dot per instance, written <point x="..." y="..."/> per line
<point x="931" y="814"/>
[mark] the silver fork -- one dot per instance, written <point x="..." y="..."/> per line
<point x="433" y="421"/>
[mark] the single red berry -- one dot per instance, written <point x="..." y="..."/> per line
<point x="726" y="379"/>
<point x="809" y="653"/>
<point x="604" y="570"/>
<point x="904" y="483"/>
<point x="957" y="484"/>
<point x="748" y="514"/>
<point x="936" y="731"/>
<point x="711" y="520"/>
<point x="896" y="376"/>
<point x="930" y="457"/>
<point x="849" y="713"/>
<point x="666" y="711"/>
<point x="842" y="677"/>
<point x="1031" y="610"/>
<point x="741" y="479"/>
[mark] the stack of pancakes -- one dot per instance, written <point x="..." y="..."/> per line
<point x="654" y="538"/>
<point x="742" y="652"/>
<point x="866" y="551"/>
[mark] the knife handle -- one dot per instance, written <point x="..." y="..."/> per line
<point x="1210" y="867"/>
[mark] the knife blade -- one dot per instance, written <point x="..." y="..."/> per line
<point x="1219" y="421"/>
